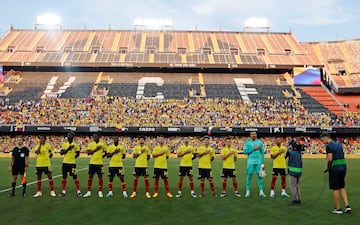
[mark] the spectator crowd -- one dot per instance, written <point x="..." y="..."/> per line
<point x="120" y="111"/>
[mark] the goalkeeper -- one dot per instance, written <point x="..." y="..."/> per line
<point x="254" y="149"/>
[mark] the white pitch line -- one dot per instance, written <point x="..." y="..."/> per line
<point x="34" y="182"/>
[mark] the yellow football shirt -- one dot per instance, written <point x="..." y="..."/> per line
<point x="141" y="161"/>
<point x="97" y="157"/>
<point x="160" y="161"/>
<point x="229" y="162"/>
<point x="43" y="158"/>
<point x="186" y="160"/>
<point x="205" y="160"/>
<point x="116" y="159"/>
<point x="279" y="162"/>
<point x="70" y="155"/>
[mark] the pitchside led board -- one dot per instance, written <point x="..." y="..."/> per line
<point x="307" y="76"/>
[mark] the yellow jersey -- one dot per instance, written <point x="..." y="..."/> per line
<point x="141" y="161"/>
<point x="97" y="157"/>
<point x="279" y="162"/>
<point x="160" y="161"/>
<point x="186" y="160"/>
<point x="70" y="155"/>
<point x="205" y="160"/>
<point x="43" y="158"/>
<point x="229" y="162"/>
<point x="116" y="159"/>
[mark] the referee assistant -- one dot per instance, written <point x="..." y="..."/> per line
<point x="19" y="164"/>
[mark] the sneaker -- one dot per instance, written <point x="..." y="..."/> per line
<point x="178" y="195"/>
<point x="155" y="195"/>
<point x="285" y="195"/>
<point x="337" y="211"/>
<point x="62" y="194"/>
<point x="147" y="195"/>
<point x="11" y="195"/>
<point x="24" y="195"/>
<point x="214" y="195"/>
<point x="88" y="194"/>
<point x="100" y="194"/>
<point x="223" y="194"/>
<point x="110" y="194"/>
<point x="38" y="194"/>
<point x="133" y="195"/>
<point x="78" y="194"/>
<point x="125" y="195"/>
<point x="247" y="194"/>
<point x="192" y="195"/>
<point x="348" y="209"/>
<point x="263" y="195"/>
<point x="202" y="195"/>
<point x="237" y="194"/>
<point x="52" y="194"/>
<point x="169" y="195"/>
<point x="272" y="195"/>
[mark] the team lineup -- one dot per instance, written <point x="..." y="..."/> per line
<point x="253" y="149"/>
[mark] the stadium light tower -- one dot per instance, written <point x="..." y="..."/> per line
<point x="47" y="21"/>
<point x="153" y="23"/>
<point x="257" y="24"/>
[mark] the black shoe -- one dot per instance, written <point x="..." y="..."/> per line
<point x="202" y="195"/>
<point x="11" y="195"/>
<point x="62" y="194"/>
<point x="24" y="195"/>
<point x="295" y="202"/>
<point x="348" y="209"/>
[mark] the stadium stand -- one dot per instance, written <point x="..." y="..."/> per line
<point x="229" y="95"/>
<point x="350" y="102"/>
<point x="324" y="98"/>
<point x="341" y="62"/>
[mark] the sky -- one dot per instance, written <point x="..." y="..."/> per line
<point x="309" y="20"/>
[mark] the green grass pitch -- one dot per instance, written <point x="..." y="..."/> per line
<point x="316" y="198"/>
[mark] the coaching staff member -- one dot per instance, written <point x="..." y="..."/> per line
<point x="336" y="166"/>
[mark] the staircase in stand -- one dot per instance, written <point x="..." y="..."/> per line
<point x="324" y="98"/>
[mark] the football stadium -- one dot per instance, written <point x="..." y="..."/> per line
<point x="188" y="86"/>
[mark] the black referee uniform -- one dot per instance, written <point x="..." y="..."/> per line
<point x="19" y="155"/>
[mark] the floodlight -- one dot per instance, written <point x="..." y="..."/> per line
<point x="257" y="23"/>
<point x="48" y="21"/>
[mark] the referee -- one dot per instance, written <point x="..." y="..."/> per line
<point x="336" y="166"/>
<point x="19" y="164"/>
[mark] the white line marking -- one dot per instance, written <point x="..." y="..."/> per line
<point x="34" y="182"/>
